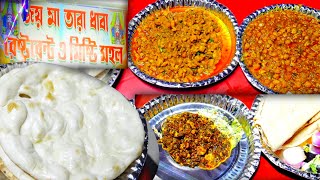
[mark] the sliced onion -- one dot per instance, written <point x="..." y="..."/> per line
<point x="314" y="149"/>
<point x="316" y="139"/>
<point x="294" y="156"/>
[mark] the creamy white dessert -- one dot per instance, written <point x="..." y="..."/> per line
<point x="58" y="123"/>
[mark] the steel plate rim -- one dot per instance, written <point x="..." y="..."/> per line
<point x="160" y="4"/>
<point x="249" y="168"/>
<point x="137" y="165"/>
<point x="272" y="157"/>
<point x="115" y="73"/>
<point x="253" y="81"/>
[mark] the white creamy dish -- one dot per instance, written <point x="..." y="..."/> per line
<point x="58" y="123"/>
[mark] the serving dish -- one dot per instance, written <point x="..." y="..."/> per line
<point x="273" y="158"/>
<point x="244" y="158"/>
<point x="253" y="16"/>
<point x="134" y="169"/>
<point x="225" y="14"/>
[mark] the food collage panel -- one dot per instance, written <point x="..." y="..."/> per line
<point x="159" y="89"/>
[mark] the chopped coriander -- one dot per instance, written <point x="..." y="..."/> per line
<point x="313" y="168"/>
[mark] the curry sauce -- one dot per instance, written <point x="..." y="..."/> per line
<point x="281" y="49"/>
<point x="193" y="140"/>
<point x="181" y="45"/>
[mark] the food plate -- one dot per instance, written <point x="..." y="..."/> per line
<point x="253" y="16"/>
<point x="273" y="157"/>
<point x="109" y="75"/>
<point x="134" y="169"/>
<point x="161" y="5"/>
<point x="244" y="158"/>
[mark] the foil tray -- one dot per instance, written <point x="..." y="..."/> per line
<point x="163" y="4"/>
<point x="300" y="8"/>
<point x="273" y="157"/>
<point x="245" y="157"/>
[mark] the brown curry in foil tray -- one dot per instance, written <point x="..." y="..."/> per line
<point x="282" y="51"/>
<point x="183" y="44"/>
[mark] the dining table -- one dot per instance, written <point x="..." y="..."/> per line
<point x="235" y="85"/>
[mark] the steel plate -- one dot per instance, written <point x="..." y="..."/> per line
<point x="244" y="158"/>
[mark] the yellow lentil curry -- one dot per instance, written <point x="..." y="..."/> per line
<point x="193" y="140"/>
<point x="282" y="51"/>
<point x="182" y="44"/>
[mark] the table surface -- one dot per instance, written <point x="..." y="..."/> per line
<point x="235" y="84"/>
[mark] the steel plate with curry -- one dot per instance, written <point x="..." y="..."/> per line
<point x="183" y="44"/>
<point x="281" y="49"/>
<point x="194" y="140"/>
